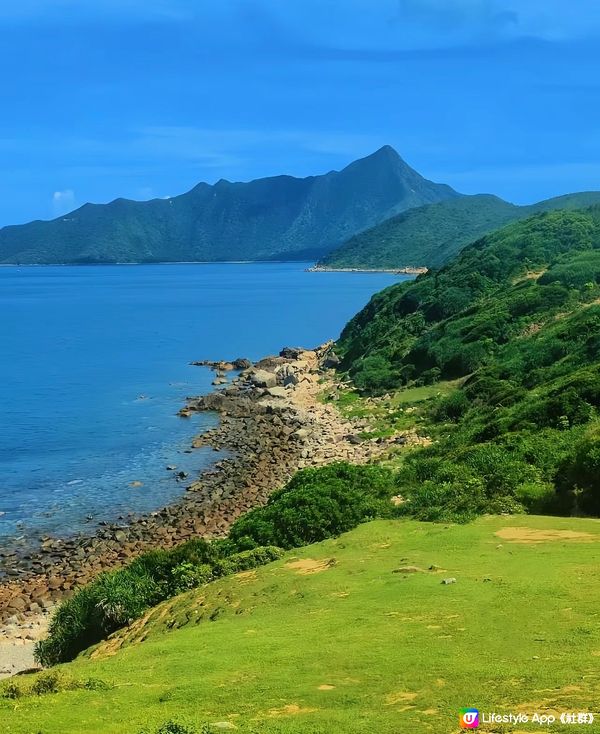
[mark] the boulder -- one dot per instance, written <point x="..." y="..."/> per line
<point x="269" y="363"/>
<point x="241" y="363"/>
<point x="287" y="375"/>
<point x="331" y="361"/>
<point x="262" y="378"/>
<point x="301" y="434"/>
<point x="291" y="352"/>
<point x="277" y="392"/>
<point x="18" y="604"/>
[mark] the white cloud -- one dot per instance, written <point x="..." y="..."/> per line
<point x="63" y="202"/>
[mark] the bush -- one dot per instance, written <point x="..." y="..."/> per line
<point x="317" y="504"/>
<point x="174" y="727"/>
<point x="537" y="498"/>
<point x="578" y="477"/>
<point x="246" y="560"/>
<point x="483" y="478"/>
<point x="46" y="683"/>
<point x="374" y="375"/>
<point x="11" y="690"/>
<point x="188" y="576"/>
<point x="95" y="611"/>
<point x="453" y="407"/>
<point x="446" y="501"/>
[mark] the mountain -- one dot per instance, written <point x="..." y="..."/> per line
<point x="433" y="234"/>
<point x="271" y="218"/>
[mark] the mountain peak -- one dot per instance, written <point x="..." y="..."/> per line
<point x="386" y="158"/>
<point x="386" y="150"/>
<point x="382" y="155"/>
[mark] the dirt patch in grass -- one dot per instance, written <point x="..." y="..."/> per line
<point x="292" y="709"/>
<point x="306" y="566"/>
<point x="326" y="687"/>
<point x="245" y="577"/>
<point x="535" y="535"/>
<point x="400" y="697"/>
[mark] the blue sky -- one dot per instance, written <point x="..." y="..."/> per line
<point x="144" y="98"/>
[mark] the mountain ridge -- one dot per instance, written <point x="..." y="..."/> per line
<point x="276" y="217"/>
<point x="431" y="235"/>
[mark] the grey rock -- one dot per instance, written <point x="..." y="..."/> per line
<point x="301" y="434"/>
<point x="291" y="352"/>
<point x="277" y="392"/>
<point x="331" y="361"/>
<point x="262" y="378"/>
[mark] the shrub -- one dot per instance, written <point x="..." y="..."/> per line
<point x="578" y="477"/>
<point x="246" y="560"/>
<point x="446" y="501"/>
<point x="453" y="407"/>
<point x="46" y="683"/>
<point x="187" y="576"/>
<point x="375" y="375"/>
<point x="174" y="727"/>
<point x="11" y="690"/>
<point x="537" y="498"/>
<point x="317" y="504"/>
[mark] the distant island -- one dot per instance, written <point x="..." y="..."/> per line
<point x="277" y="218"/>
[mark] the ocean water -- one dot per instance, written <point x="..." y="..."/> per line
<point x="95" y="365"/>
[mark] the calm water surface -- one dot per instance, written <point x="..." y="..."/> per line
<point x="95" y="365"/>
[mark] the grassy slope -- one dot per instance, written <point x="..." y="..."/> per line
<point x="401" y="652"/>
<point x="432" y="235"/>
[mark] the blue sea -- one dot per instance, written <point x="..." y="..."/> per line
<point x="95" y="365"/>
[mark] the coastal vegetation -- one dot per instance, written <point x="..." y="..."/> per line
<point x="515" y="321"/>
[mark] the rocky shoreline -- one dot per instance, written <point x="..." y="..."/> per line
<point x="408" y="270"/>
<point x="272" y="423"/>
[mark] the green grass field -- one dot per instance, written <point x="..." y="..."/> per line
<point x="337" y="638"/>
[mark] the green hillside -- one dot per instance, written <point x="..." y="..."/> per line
<point x="515" y="320"/>
<point x="433" y="234"/>
<point x="352" y="635"/>
<point x="271" y="218"/>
